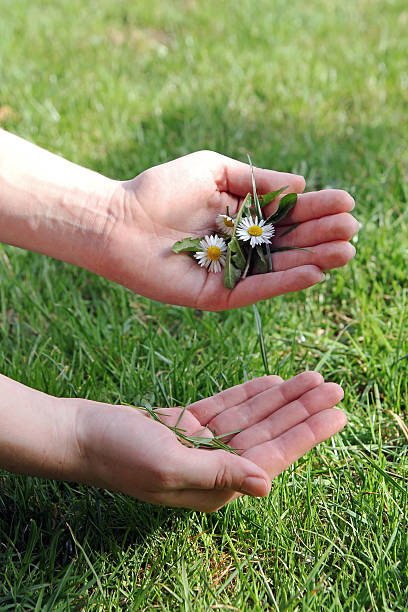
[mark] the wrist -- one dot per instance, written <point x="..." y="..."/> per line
<point x="95" y="461"/>
<point x="37" y="436"/>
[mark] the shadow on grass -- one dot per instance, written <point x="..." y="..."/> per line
<point x="34" y="513"/>
<point x="326" y="157"/>
<point x="38" y="516"/>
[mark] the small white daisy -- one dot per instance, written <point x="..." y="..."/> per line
<point x="225" y="224"/>
<point x="212" y="255"/>
<point x="256" y="232"/>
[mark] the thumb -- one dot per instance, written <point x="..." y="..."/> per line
<point x="218" y="469"/>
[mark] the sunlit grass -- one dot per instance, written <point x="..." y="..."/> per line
<point x="319" y="88"/>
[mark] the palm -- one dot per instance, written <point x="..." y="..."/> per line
<point x="279" y="421"/>
<point x="182" y="198"/>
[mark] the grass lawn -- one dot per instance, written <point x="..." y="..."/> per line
<point x="314" y="87"/>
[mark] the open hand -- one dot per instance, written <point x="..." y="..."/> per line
<point x="279" y="421"/>
<point x="183" y="197"/>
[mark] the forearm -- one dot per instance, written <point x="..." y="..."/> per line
<point x="50" y="205"/>
<point x="37" y="433"/>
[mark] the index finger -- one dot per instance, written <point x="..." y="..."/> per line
<point x="206" y="409"/>
<point x="236" y="178"/>
<point x="316" y="204"/>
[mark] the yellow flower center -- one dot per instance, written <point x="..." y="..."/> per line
<point x="228" y="222"/>
<point x="255" y="230"/>
<point x="214" y="253"/>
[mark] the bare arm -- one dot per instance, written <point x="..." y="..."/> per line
<point x="49" y="205"/>
<point x="119" y="448"/>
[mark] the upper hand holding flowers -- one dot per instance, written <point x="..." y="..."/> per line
<point x="183" y="198"/>
<point x="277" y="421"/>
<point x="238" y="258"/>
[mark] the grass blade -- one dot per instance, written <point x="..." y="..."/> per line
<point x="261" y="338"/>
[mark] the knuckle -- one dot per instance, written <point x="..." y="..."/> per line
<point x="223" y="478"/>
<point x="206" y="154"/>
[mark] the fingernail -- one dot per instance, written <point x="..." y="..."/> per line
<point x="255" y="486"/>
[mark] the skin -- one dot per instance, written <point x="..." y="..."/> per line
<point x="122" y="449"/>
<point x="124" y="230"/>
<point x="155" y="210"/>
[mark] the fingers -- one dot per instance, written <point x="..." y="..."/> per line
<point x="184" y="420"/>
<point x="181" y="418"/>
<point x="264" y="286"/>
<point x="316" y="204"/>
<point x="206" y="480"/>
<point x="278" y="454"/>
<point x="218" y="469"/>
<point x="317" y="231"/>
<point x="322" y="397"/>
<point x="194" y="499"/>
<point x="236" y="177"/>
<point x="326" y="256"/>
<point x="206" y="409"/>
<point x="259" y="406"/>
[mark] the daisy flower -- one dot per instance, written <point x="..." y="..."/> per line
<point x="225" y="224"/>
<point x="212" y="254"/>
<point x="256" y="232"/>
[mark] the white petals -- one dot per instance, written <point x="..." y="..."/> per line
<point x="212" y="255"/>
<point x="225" y="224"/>
<point x="254" y="231"/>
<point x="213" y="249"/>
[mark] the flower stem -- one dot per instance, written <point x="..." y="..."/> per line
<point x="245" y="272"/>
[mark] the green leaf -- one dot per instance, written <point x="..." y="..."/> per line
<point x="231" y="274"/>
<point x="187" y="245"/>
<point x="232" y="269"/>
<point x="267" y="198"/>
<point x="291" y="248"/>
<point x="285" y="205"/>
<point x="290" y="229"/>
<point x="237" y="256"/>
<point x="261" y="338"/>
<point x="268" y="254"/>
<point x="260" y="261"/>
<point x="245" y="208"/>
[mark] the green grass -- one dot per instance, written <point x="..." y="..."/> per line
<point x="320" y="88"/>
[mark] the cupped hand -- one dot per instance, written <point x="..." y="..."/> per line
<point x="278" y="421"/>
<point x="183" y="198"/>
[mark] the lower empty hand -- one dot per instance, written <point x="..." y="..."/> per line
<point x="279" y="421"/>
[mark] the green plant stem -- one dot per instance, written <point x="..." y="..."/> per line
<point x="245" y="271"/>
